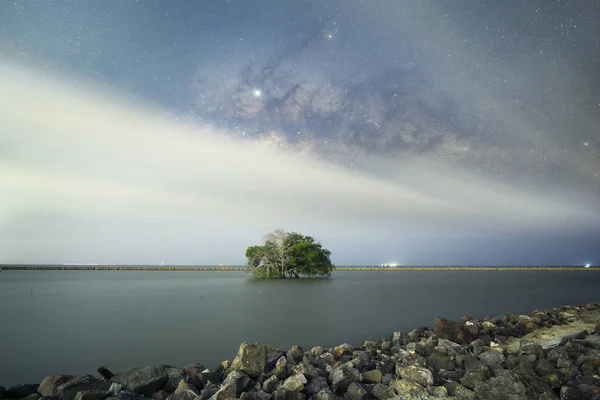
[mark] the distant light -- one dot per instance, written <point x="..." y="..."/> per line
<point x="257" y="93"/>
<point x="586" y="144"/>
<point x="587" y="265"/>
<point x="330" y="36"/>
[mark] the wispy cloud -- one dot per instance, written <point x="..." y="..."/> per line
<point x="90" y="175"/>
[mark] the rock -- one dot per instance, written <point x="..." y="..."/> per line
<point x="306" y="369"/>
<point x="162" y="395"/>
<point x="492" y="358"/>
<point x="453" y="331"/>
<point x="570" y="393"/>
<point x="250" y="359"/>
<point x="207" y="393"/>
<point x="281" y="368"/>
<point x="440" y="361"/>
<point x="114" y="388"/>
<point x="475" y="375"/>
<point x="92" y="395"/>
<point x="451" y="375"/>
<point x="282" y="394"/>
<point x="296" y="352"/>
<point x="325" y="359"/>
<point x="125" y="395"/>
<point x="408" y="390"/>
<point x="33" y="396"/>
<point x="185" y="395"/>
<point x="294" y="383"/>
<point x="207" y="376"/>
<point x="270" y="384"/>
<point x="184" y="386"/>
<point x="548" y="396"/>
<point x="440" y="391"/>
<point x="324" y="395"/>
<point x="451" y="348"/>
<point x="382" y="392"/>
<point x="590" y="367"/>
<point x="355" y="392"/>
<point x="316" y="351"/>
<point x="342" y="377"/>
<point x="422" y="376"/>
<point x="69" y="389"/>
<point x="174" y="376"/>
<point x="21" y="391"/>
<point x="262" y="395"/>
<point x="507" y="387"/>
<point x="224" y="393"/>
<point x="316" y="385"/>
<point x="342" y="350"/>
<point x="272" y="356"/>
<point x="462" y="392"/>
<point x="373" y="376"/>
<point x="144" y="381"/>
<point x="239" y="381"/>
<point x="191" y="372"/>
<point x="50" y="384"/>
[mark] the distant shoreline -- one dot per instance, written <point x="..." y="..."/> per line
<point x="338" y="269"/>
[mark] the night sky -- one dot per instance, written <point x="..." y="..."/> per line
<point x="420" y="132"/>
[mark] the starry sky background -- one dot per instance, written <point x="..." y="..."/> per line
<point x="445" y="132"/>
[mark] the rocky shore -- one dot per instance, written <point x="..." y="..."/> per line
<point x="550" y="354"/>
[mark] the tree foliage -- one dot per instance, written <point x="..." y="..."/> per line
<point x="289" y="255"/>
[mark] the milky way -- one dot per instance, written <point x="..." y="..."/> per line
<point x="484" y="112"/>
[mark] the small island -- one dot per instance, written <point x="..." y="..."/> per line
<point x="289" y="255"/>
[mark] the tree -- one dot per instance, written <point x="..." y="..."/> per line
<point x="287" y="255"/>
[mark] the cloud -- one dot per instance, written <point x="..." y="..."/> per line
<point x="90" y="175"/>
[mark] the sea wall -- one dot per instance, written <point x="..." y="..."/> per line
<point x="182" y="268"/>
<point x="548" y="354"/>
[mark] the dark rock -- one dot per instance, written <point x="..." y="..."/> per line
<point x="207" y="393"/>
<point x="450" y="347"/>
<point x="570" y="393"/>
<point x="250" y="359"/>
<point x="475" y="375"/>
<point x="316" y="385"/>
<point x="214" y="377"/>
<point x="105" y="373"/>
<point x="69" y="389"/>
<point x="309" y="371"/>
<point x="492" y="358"/>
<point x="2" y="392"/>
<point x="355" y="392"/>
<point x="325" y="359"/>
<point x="21" y="391"/>
<point x="451" y="375"/>
<point x="272" y="356"/>
<point x="500" y="388"/>
<point x="342" y="350"/>
<point x="174" y="376"/>
<point x="281" y="368"/>
<point x="282" y="394"/>
<point x="92" y="395"/>
<point x="262" y="395"/>
<point x="296" y="352"/>
<point x="342" y="377"/>
<point x="144" y="381"/>
<point x="50" y="384"/>
<point x="239" y="381"/>
<point x="422" y="376"/>
<point x="191" y="373"/>
<point x="590" y="367"/>
<point x="33" y="396"/>
<point x="408" y="390"/>
<point x="373" y="376"/>
<point x="459" y="391"/>
<point x="453" y="331"/>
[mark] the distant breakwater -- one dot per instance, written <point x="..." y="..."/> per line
<point x="366" y="269"/>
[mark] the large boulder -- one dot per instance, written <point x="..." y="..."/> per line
<point x="21" y="391"/>
<point x="250" y="359"/>
<point x="50" y="384"/>
<point x="239" y="381"/>
<point x="342" y="377"/>
<point x="408" y="390"/>
<point x="453" y="331"/>
<point x="420" y="375"/>
<point x="69" y="389"/>
<point x="144" y="381"/>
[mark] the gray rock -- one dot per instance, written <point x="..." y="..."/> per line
<point x="420" y="375"/>
<point x="125" y="395"/>
<point x="296" y="352"/>
<point x="184" y="386"/>
<point x="325" y="359"/>
<point x="207" y="393"/>
<point x="570" y="393"/>
<point x="144" y="381"/>
<point x="548" y="396"/>
<point x="225" y="392"/>
<point x="463" y="393"/>
<point x="316" y="385"/>
<point x="250" y="359"/>
<point x="506" y="387"/>
<point x="50" y="384"/>
<point x="262" y="395"/>
<point x="187" y="395"/>
<point x="316" y="351"/>
<point x="451" y="375"/>
<point x="492" y="358"/>
<point x="342" y="377"/>
<point x="355" y="392"/>
<point x="441" y="361"/>
<point x="382" y="392"/>
<point x="440" y="391"/>
<point x="33" y="396"/>
<point x="282" y="394"/>
<point x="92" y="395"/>
<point x="21" y="391"/>
<point x="408" y="390"/>
<point x="239" y="381"/>
<point x="305" y="369"/>
<point x="472" y="377"/>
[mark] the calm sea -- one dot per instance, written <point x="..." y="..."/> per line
<point x="72" y="322"/>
